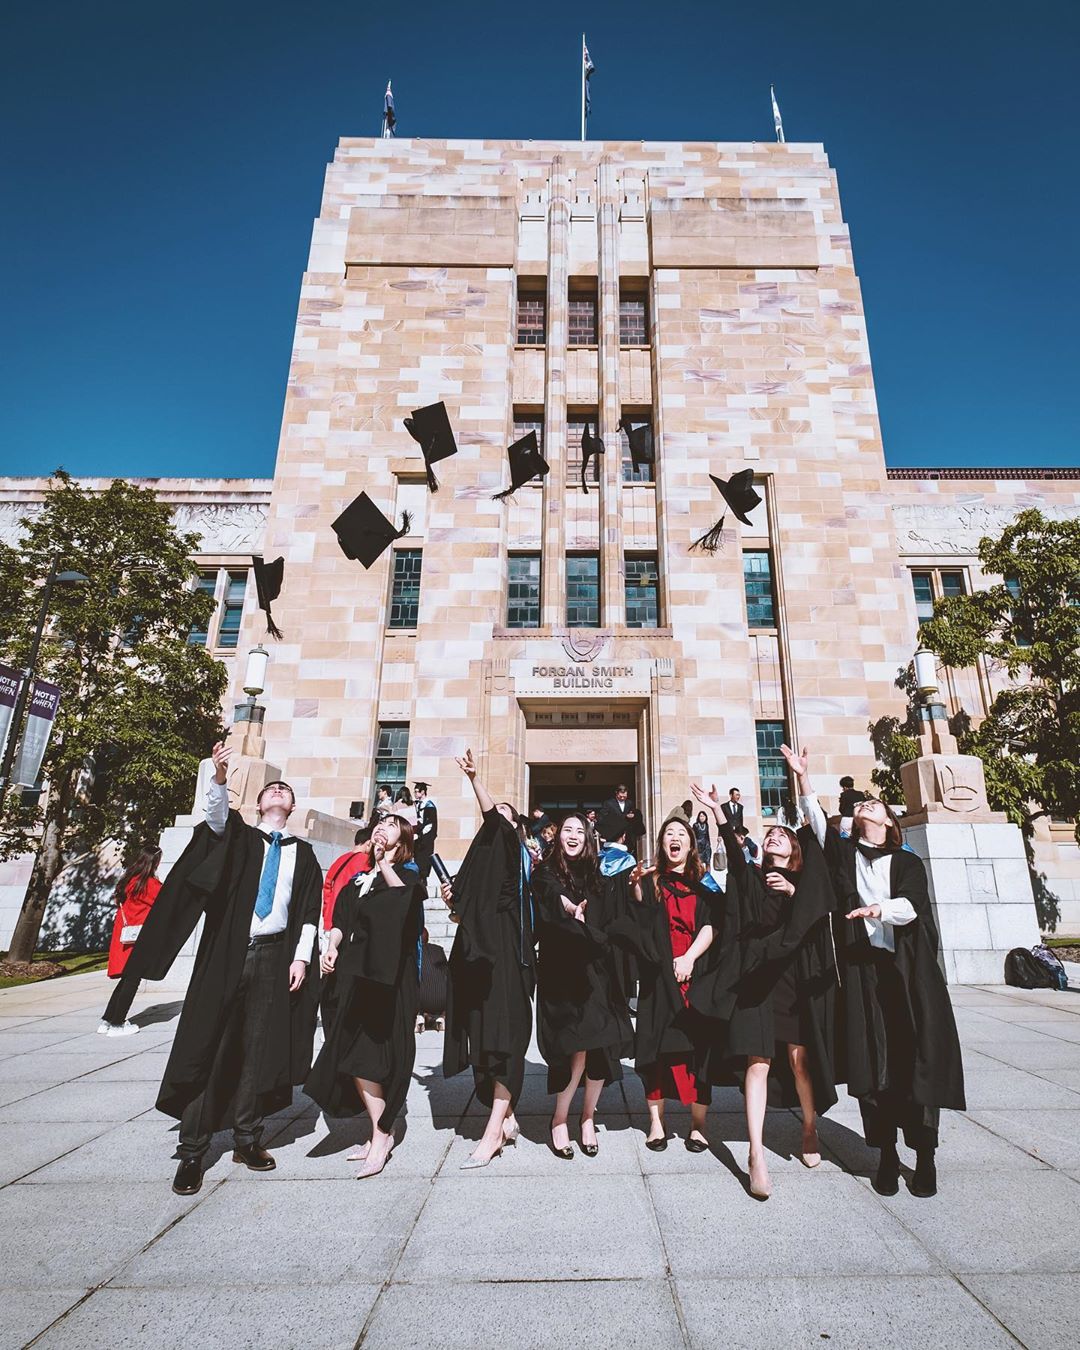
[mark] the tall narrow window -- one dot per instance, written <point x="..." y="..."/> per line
<point x="207" y="585"/>
<point x="391" y="754"/>
<point x="524" y="422"/>
<point x="640" y="425"/>
<point x="582" y="318"/>
<point x="523" y="593"/>
<point x="642" y="592"/>
<point x="232" y="610"/>
<point x="633" y="320"/>
<point x="405" y="596"/>
<point x="953" y="584"/>
<point x="575" y="425"/>
<point x="757" y="582"/>
<point x="922" y="583"/>
<point x="583" y="590"/>
<point x="772" y="772"/>
<point x="532" y="318"/>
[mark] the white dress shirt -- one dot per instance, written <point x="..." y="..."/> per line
<point x="217" y="815"/>
<point x="873" y="877"/>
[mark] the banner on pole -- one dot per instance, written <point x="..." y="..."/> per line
<point x="10" y="684"/>
<point x="39" y="722"/>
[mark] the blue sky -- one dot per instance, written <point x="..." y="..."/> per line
<point x="163" y="164"/>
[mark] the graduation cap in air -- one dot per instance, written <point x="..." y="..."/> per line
<point x="740" y="498"/>
<point x="430" y="428"/>
<point x="526" y="463"/>
<point x="268" y="579"/>
<point x="641" y="442"/>
<point x="591" y="446"/>
<point x="364" y="533"/>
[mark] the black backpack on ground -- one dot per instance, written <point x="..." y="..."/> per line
<point x="1024" y="970"/>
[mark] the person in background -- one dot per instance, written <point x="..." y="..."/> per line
<point x="733" y="808"/>
<point x="135" y="894"/>
<point x="403" y="797"/>
<point x="427" y="830"/>
<point x="384" y="800"/>
<point x="590" y="818"/>
<point x="850" y="797"/>
<point x="702" y="841"/>
<point x="547" y="835"/>
<point x="750" y="850"/>
<point x="433" y="976"/>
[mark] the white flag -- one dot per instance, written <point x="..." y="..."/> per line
<point x="776" y="116"/>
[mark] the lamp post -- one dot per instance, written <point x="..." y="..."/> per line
<point x="933" y="715"/>
<point x="254" y="685"/>
<point x="23" y="697"/>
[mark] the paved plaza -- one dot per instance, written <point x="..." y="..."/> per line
<point x="630" y="1248"/>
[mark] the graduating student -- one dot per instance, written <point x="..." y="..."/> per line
<point x="671" y="929"/>
<point x="902" y="1051"/>
<point x="135" y="894"/>
<point x="427" y="830"/>
<point x="583" y="1027"/>
<point x="492" y="968"/>
<point x="246" y="1030"/>
<point x="782" y="970"/>
<point x="374" y="953"/>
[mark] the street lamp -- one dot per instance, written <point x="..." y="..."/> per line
<point x="254" y="685"/>
<point x="15" y="731"/>
<point x="931" y="709"/>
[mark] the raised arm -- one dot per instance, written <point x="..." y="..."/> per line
<point x="710" y="800"/>
<point x="484" y="799"/>
<point x="811" y="807"/>
<point x="217" y="794"/>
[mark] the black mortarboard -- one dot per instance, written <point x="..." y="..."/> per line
<point x="526" y="462"/>
<point x="268" y="579"/>
<point x="430" y="428"/>
<point x="612" y="824"/>
<point x="641" y="442"/>
<point x="740" y="497"/>
<point x="363" y="531"/>
<point x="590" y="447"/>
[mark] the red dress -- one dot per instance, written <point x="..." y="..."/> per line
<point x="135" y="908"/>
<point x="673" y="1077"/>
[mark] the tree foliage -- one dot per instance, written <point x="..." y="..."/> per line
<point x="139" y="707"/>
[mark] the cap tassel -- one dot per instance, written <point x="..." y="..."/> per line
<point x="432" y="481"/>
<point x="584" y="473"/>
<point x="406" y="523"/>
<point x="710" y="542"/>
<point x="502" y="496"/>
<point x="271" y="627"/>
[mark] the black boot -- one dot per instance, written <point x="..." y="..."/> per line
<point x="254" y="1157"/>
<point x="924" y="1180"/>
<point x="887" y="1181"/>
<point x="188" y="1179"/>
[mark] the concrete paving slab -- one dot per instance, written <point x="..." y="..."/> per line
<point x="137" y="1150"/>
<point x="60" y="1237"/>
<point x="1025" y="1221"/>
<point x="269" y="1318"/>
<point x="14" y="1092"/>
<point x="1048" y="1052"/>
<point x="145" y="1068"/>
<point x="1005" y="1088"/>
<point x="1041" y="1311"/>
<point x="847" y="1314"/>
<point x="593" y="1315"/>
<point x="727" y="1135"/>
<point x="289" y="1233"/>
<point x="509" y="1228"/>
<point x="1063" y="1030"/>
<point x="60" y="1068"/>
<point x="80" y="1101"/>
<point x="22" y="1042"/>
<point x="1053" y="1136"/>
<point x="23" y="1150"/>
<point x="965" y="1147"/>
<point x="812" y="1226"/>
<point x="27" y="1312"/>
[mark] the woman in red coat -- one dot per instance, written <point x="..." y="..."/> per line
<point x="136" y="892"/>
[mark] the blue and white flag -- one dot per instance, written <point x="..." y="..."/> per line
<point x="777" y="123"/>
<point x="389" y="116"/>
<point x="587" y="68"/>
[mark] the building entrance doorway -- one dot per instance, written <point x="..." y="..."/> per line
<point x="556" y="788"/>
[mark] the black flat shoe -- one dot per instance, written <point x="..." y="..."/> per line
<point x="254" y="1157"/>
<point x="590" y="1150"/>
<point x="656" y="1145"/>
<point x="697" y="1146"/>
<point x="566" y="1153"/>
<point x="887" y="1180"/>
<point x="188" y="1179"/>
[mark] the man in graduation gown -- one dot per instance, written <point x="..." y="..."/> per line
<point x="246" y="1030"/>
<point x="427" y="831"/>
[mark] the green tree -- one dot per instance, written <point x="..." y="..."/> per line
<point x="1029" y="625"/>
<point x="139" y="707"/>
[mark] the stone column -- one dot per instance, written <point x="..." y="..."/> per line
<point x="612" y="586"/>
<point x="553" y="565"/>
<point x="980" y="883"/>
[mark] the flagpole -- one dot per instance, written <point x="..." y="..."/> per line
<point x="583" y="86"/>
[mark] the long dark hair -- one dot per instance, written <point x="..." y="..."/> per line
<point x="695" y="868"/>
<point x="795" y="860"/>
<point x="894" y="835"/>
<point x="580" y="875"/>
<point x="140" y="870"/>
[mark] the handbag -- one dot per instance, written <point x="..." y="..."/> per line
<point x="129" y="933"/>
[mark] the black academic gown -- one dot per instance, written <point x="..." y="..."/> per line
<point x="218" y="876"/>
<point x="579" y="1002"/>
<point x="666" y="1027"/>
<point x="758" y="959"/>
<point x="921" y="1017"/>
<point x="373" y="1035"/>
<point x="492" y="964"/>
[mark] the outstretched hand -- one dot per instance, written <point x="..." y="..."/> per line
<point x="467" y="764"/>
<point x="710" y="799"/>
<point x="221" y="754"/>
<point x="798" y="764"/>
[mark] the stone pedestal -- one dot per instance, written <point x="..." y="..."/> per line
<point x="980" y="884"/>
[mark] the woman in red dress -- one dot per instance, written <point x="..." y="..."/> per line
<point x="135" y="893"/>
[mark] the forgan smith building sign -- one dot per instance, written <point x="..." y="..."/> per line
<point x="605" y="678"/>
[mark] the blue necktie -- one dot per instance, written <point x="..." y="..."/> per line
<point x="264" y="901"/>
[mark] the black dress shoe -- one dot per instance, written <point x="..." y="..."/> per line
<point x="924" y="1180"/>
<point x="887" y="1180"/>
<point x="254" y="1157"/>
<point x="188" y="1179"/>
<point x="697" y="1146"/>
<point x="590" y="1150"/>
<point x="656" y="1145"/>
